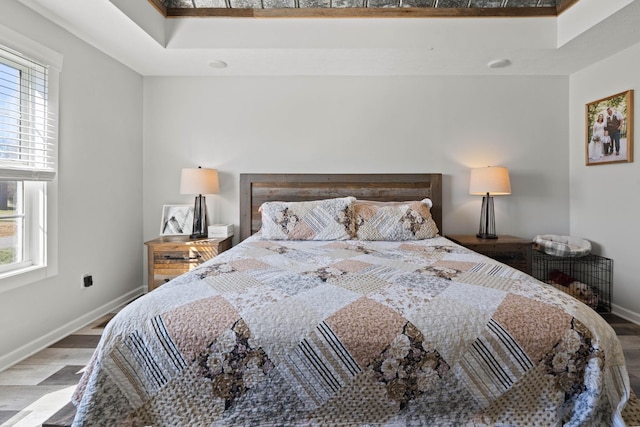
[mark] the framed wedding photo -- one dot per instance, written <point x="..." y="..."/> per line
<point x="609" y="130"/>
<point x="177" y="220"/>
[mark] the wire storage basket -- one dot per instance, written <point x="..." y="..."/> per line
<point x="587" y="278"/>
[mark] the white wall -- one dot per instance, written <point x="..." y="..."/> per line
<point x="605" y="206"/>
<point x="364" y="124"/>
<point x="100" y="191"/>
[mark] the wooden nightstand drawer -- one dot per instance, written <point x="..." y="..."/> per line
<point x="161" y="277"/>
<point x="169" y="257"/>
<point x="510" y="250"/>
<point x="192" y="255"/>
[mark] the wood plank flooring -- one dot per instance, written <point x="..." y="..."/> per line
<point x="36" y="392"/>
<point x="629" y="335"/>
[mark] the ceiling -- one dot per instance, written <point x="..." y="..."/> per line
<point x="452" y="43"/>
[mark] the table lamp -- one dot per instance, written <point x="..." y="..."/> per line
<point x="199" y="181"/>
<point x="489" y="181"/>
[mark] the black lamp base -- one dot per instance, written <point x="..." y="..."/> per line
<point x="487" y="228"/>
<point x="199" y="230"/>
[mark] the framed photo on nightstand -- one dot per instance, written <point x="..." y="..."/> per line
<point x="177" y="220"/>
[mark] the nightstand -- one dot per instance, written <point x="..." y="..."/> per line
<point x="510" y="250"/>
<point x="171" y="256"/>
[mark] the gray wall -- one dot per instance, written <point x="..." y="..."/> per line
<point x="100" y="192"/>
<point x="365" y="124"/>
<point x="605" y="205"/>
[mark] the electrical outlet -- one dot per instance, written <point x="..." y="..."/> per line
<point x="87" y="280"/>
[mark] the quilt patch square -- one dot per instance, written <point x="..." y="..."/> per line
<point x="190" y="334"/>
<point x="231" y="282"/>
<point x="434" y="320"/>
<point x="535" y="325"/>
<point x="479" y="278"/>
<point x="319" y="367"/>
<point x="279" y="327"/>
<point x="493" y="364"/>
<point x="356" y="404"/>
<point x="365" y="328"/>
<point x="361" y="283"/>
<point x="327" y="299"/>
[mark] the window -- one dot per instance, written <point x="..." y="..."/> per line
<point x="12" y="249"/>
<point x="28" y="151"/>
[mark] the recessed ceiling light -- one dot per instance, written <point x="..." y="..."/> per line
<point x="216" y="63"/>
<point x="499" y="63"/>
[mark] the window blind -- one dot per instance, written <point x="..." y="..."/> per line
<point x="27" y="121"/>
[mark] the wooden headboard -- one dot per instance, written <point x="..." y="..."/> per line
<point x="256" y="189"/>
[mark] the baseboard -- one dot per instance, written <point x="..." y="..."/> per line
<point x="629" y="315"/>
<point x="56" y="335"/>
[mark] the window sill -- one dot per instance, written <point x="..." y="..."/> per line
<point x="24" y="276"/>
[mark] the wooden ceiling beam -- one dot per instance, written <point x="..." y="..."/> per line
<point x="357" y="12"/>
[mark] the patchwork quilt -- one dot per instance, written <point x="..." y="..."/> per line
<point x="355" y="333"/>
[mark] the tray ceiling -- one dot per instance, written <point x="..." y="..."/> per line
<point x="361" y="8"/>
<point x="573" y="37"/>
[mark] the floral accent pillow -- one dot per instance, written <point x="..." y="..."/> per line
<point x="394" y="221"/>
<point x="329" y="219"/>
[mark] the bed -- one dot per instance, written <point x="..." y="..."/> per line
<point x="344" y="305"/>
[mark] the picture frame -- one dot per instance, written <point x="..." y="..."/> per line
<point x="609" y="130"/>
<point x="177" y="220"/>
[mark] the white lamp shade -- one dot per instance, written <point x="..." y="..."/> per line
<point x="492" y="179"/>
<point x="199" y="181"/>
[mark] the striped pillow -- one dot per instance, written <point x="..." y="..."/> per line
<point x="329" y="219"/>
<point x="394" y="221"/>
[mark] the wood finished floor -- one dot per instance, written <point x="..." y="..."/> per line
<point x="36" y="392"/>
